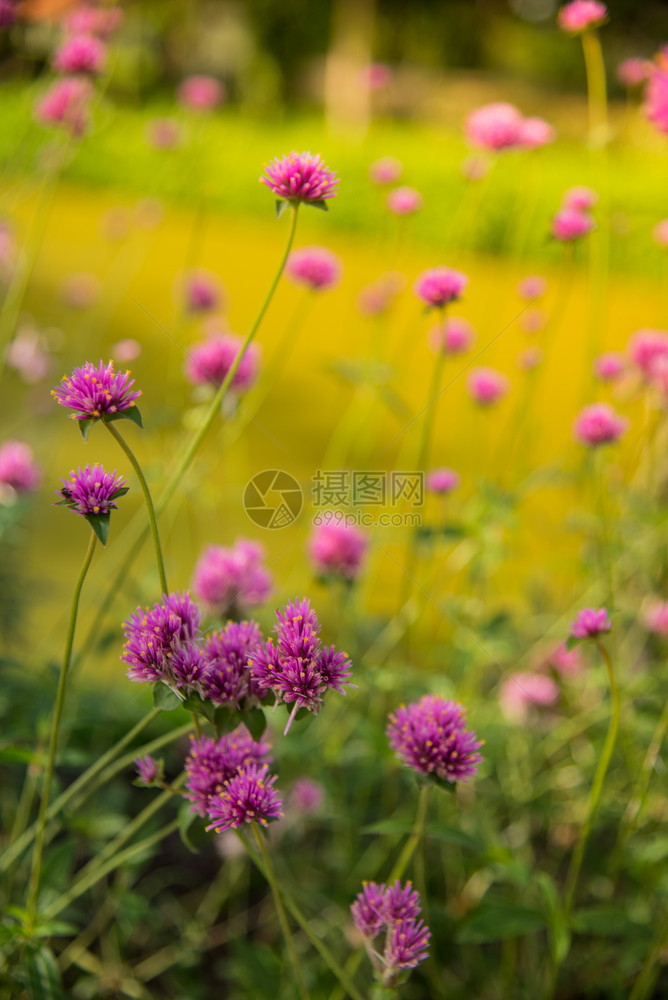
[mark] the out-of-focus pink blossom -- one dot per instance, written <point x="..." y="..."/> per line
<point x="27" y="355"/>
<point x="19" y="472"/>
<point x="487" y="386"/>
<point x="89" y="20"/>
<point x="609" y="367"/>
<point x="164" y="133"/>
<point x="532" y="287"/>
<point x="338" y="548"/>
<point x="315" y="267"/>
<point x="571" y="224"/>
<point x="581" y="198"/>
<point x="442" y="481"/>
<point x="386" y="170"/>
<point x="599" y="424"/>
<point x="568" y="662"/>
<point x="307" y="797"/>
<point x="81" y="54"/>
<point x="232" y="580"/>
<point x="494" y="127"/>
<point x="645" y="347"/>
<point x="9" y="13"/>
<point x="633" y="72"/>
<point x="522" y="691"/>
<point x="438" y="286"/>
<point x="656" y="92"/>
<point x="529" y="358"/>
<point x="201" y="291"/>
<point x="454" y="336"/>
<point x="660" y="233"/>
<point x="533" y="320"/>
<point x="201" y="93"/>
<point x="66" y="105"/>
<point x="211" y="360"/>
<point x="582" y="15"/>
<point x="404" y="201"/>
<point x="654" y="616"/>
<point x="377" y="76"/>
<point x="81" y="291"/>
<point x="535" y="132"/>
<point x="126" y="350"/>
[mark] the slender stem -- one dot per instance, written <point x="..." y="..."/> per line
<point x="604" y="542"/>
<point x="280" y="909"/>
<point x="115" y="433"/>
<point x="415" y="837"/>
<point x="36" y="871"/>
<point x="597" y="96"/>
<point x="644" y="984"/>
<point x="639" y="793"/>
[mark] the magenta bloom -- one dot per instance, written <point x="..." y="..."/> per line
<point x="521" y="691"/>
<point x="404" y="201"/>
<point x="163" y="133"/>
<point x="581" y="15"/>
<point x="66" y="104"/>
<point x="567" y="662"/>
<point x="430" y="736"/>
<point x="571" y="224"/>
<point x="646" y="347"/>
<point x="368" y="910"/>
<point x="201" y="291"/>
<point x="633" y="72"/>
<point x="440" y="285"/>
<point x="660" y="233"/>
<point x="96" y="392"/>
<point x="157" y="638"/>
<point x="201" y="93"/>
<point x="532" y="287"/>
<point x="91" y="490"/>
<point x="442" y="481"/>
<point x="338" y="549"/>
<point x="315" y="267"/>
<point x="230" y="581"/>
<point x="377" y="76"/>
<point x="18" y="469"/>
<point x="396" y="911"/>
<point x="212" y="359"/>
<point x="590" y="623"/>
<point x="581" y="198"/>
<point x="297" y="667"/>
<point x="307" y="796"/>
<point x="301" y="177"/>
<point x="608" y="367"/>
<point x="655" y="617"/>
<point x="148" y="771"/>
<point x="246" y="798"/>
<point x="535" y="132"/>
<point x="599" y="424"/>
<point x="81" y="54"/>
<point x="386" y="170"/>
<point x="494" y="127"/>
<point x="454" y="336"/>
<point x="656" y="92"/>
<point x="407" y="945"/>
<point x="227" y="679"/>
<point x="212" y="762"/>
<point x="487" y="386"/>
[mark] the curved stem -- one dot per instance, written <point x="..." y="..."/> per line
<point x="415" y="837"/>
<point x="280" y="910"/>
<point x="36" y="871"/>
<point x="116" y="434"/>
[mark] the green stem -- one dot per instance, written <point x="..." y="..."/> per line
<point x="36" y="871"/>
<point x="280" y="910"/>
<point x="604" y="544"/>
<point x="415" y="837"/>
<point x="639" y="793"/>
<point x="644" y="985"/>
<point x="115" y="433"/>
<point x="597" y="96"/>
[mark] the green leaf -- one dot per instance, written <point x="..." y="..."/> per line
<point x="255" y="722"/>
<point x="55" y="928"/>
<point x="42" y="974"/>
<point x="132" y="413"/>
<point x="85" y="426"/>
<point x="186" y="819"/>
<point x="497" y="922"/>
<point x="193" y="703"/>
<point x="320" y="203"/>
<point x="165" y="698"/>
<point x="225" y="720"/>
<point x="100" y="525"/>
<point x="607" y="921"/>
<point x="281" y="207"/>
<point x="17" y="755"/>
<point x="572" y="642"/>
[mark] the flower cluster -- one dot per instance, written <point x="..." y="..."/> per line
<point x="501" y="126"/>
<point x="301" y="177"/>
<point x="160" y="643"/>
<point x="248" y="797"/>
<point x="599" y="424"/>
<point x="211" y="360"/>
<point x="646" y="349"/>
<point x="92" y="491"/>
<point x="296" y="667"/>
<point x="430" y="736"/>
<point x="229" y="581"/>
<point x="396" y="910"/>
<point x="590" y="623"/>
<point x="227" y="679"/>
<point x="213" y="762"/>
<point x="96" y="392"/>
<point x="338" y="549"/>
<point x="314" y="267"/>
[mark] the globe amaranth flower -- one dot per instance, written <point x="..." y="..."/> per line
<point x="571" y="224"/>
<point x="654" y="617"/>
<point x="494" y="127"/>
<point x="404" y="201"/>
<point x="442" y="481"/>
<point x="227" y="679"/>
<point x="164" y="133"/>
<point x="91" y="490"/>
<point x="633" y="72"/>
<point x="590" y="623"/>
<point x="84" y="54"/>
<point x="149" y="771"/>
<point x="296" y="667"/>
<point x="212" y="762"/>
<point x="386" y="170"/>
<point x="88" y="20"/>
<point x="532" y="287"/>
<point x="315" y="267"/>
<point x="524" y="690"/>
<point x="609" y="367"/>
<point x="529" y="358"/>
<point x="395" y="910"/>
<point x="440" y="285"/>
<point x="161" y="642"/>
<point x="19" y="472"/>
<point x="248" y="797"/>
<point x="201" y="93"/>
<point x="646" y="347"/>
<point x="563" y="661"/>
<point x="338" y="549"/>
<point x="301" y="177"/>
<point x="599" y="424"/>
<point x="230" y="581"/>
<point x="201" y="291"/>
<point x="454" y="336"/>
<point x="66" y="104"/>
<point x="535" y="133"/>
<point x="487" y="386"/>
<point x="581" y="15"/>
<point x="211" y="360"/>
<point x="307" y="796"/>
<point x="430" y="736"/>
<point x="96" y="392"/>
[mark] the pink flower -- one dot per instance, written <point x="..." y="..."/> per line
<point x="337" y="548"/>
<point x="201" y="291"/>
<point x="494" y="127"/>
<point x="164" y="133"/>
<point x="568" y="662"/>
<point x="307" y="796"/>
<point x="126" y="350"/>
<point x="101" y="21"/>
<point x="440" y="285"/>
<point x="529" y="358"/>
<point x="608" y="367"/>
<point x="455" y="336"/>
<point x="66" y="104"/>
<point x="19" y="472"/>
<point x="315" y="267"/>
<point x="377" y="297"/>
<point x="660" y="233"/>
<point x="523" y="690"/>
<point x="442" y="481"/>
<point x="232" y="580"/>
<point x="532" y="287"/>
<point x="599" y="424"/>
<point x="633" y="72"/>
<point x="27" y="355"/>
<point x="200" y="93"/>
<point x="404" y="201"/>
<point x="301" y="177"/>
<point x="581" y="198"/>
<point x="211" y="360"/>
<point x="654" y="617"/>
<point x="83" y="54"/>
<point x="581" y="15"/>
<point x="377" y="76"/>
<point x="533" y="320"/>
<point x="387" y="170"/>
<point x="535" y="132"/>
<point x="645" y="347"/>
<point x="571" y="224"/>
<point x="486" y="386"/>
<point x="590" y="623"/>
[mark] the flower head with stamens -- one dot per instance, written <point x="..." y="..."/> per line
<point x="212" y="762"/>
<point x="96" y="392"/>
<point x="396" y="910"/>
<point x="590" y="623"/>
<point x="227" y="679"/>
<point x="153" y="636"/>
<point x="149" y="771"/>
<point x="91" y="490"/>
<point x="248" y="797"/>
<point x="430" y="736"/>
<point x="301" y="177"/>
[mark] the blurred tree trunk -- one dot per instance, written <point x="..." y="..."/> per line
<point x="347" y="96"/>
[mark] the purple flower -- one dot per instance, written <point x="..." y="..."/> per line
<point x="571" y="224"/>
<point x="581" y="15"/>
<point x="212" y="762"/>
<point x="401" y="902"/>
<point x="590" y="623"/>
<point x="599" y="424"/>
<point x="301" y="177"/>
<point x="442" y="481"/>
<point x="212" y="359"/>
<point x="148" y="771"/>
<point x="368" y="910"/>
<point x="404" y="201"/>
<point x="66" y="104"/>
<point x="307" y="796"/>
<point x="201" y="291"/>
<point x="96" y="392"/>
<point x="406" y="945"/>
<point x="83" y="54"/>
<point x="609" y="367"/>
<point x="86" y="20"/>
<point x="230" y="581"/>
<point x="227" y="679"/>
<point x="440" y="285"/>
<point x="154" y="636"/>
<point x="315" y="267"/>
<point x="338" y="548"/>
<point x="396" y="910"/>
<point x="646" y="347"/>
<point x="18" y="469"/>
<point x="296" y="667"/>
<point x="246" y="798"/>
<point x="430" y="737"/>
<point x="495" y="127"/>
<point x="487" y="385"/>
<point x="91" y="491"/>
<point x="201" y="93"/>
